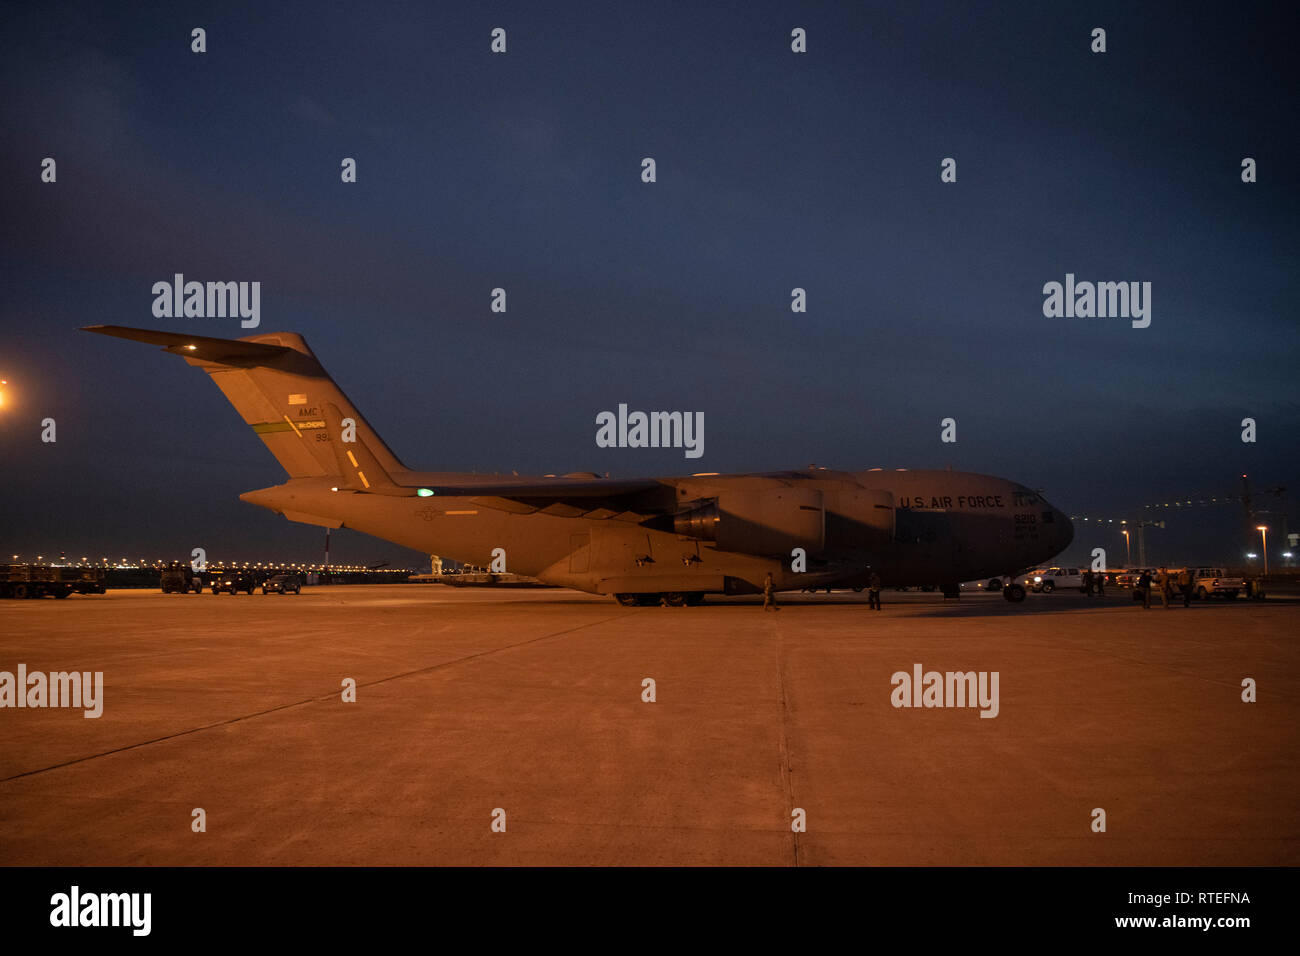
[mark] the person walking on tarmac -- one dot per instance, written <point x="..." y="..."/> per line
<point x="1144" y="585"/>
<point x="1166" y="582"/>
<point x="1100" y="579"/>
<point x="1087" y="582"/>
<point x="873" y="592"/>
<point x="769" y="594"/>
<point x="1185" y="581"/>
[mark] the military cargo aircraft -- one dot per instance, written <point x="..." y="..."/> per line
<point x="642" y="540"/>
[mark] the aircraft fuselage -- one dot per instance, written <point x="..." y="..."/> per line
<point x="717" y="533"/>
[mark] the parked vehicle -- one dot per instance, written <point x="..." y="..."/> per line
<point x="230" y="583"/>
<point x="1212" y="582"/>
<point x="282" y="584"/>
<point x="1128" y="577"/>
<point x="180" y="579"/>
<point x="1055" y="578"/>
<point x="38" y="580"/>
<point x="1026" y="579"/>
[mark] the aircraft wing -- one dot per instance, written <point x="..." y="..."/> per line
<point x="593" y="497"/>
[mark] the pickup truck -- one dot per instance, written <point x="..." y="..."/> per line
<point x="1053" y="578"/>
<point x="1210" y="582"/>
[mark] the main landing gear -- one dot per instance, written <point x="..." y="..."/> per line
<point x="665" y="598"/>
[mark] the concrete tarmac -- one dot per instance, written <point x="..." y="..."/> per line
<point x="470" y="700"/>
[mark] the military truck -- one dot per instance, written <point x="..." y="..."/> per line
<point x="179" y="579"/>
<point x="39" y="580"/>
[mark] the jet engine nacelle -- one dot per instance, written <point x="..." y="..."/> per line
<point x="769" y="521"/>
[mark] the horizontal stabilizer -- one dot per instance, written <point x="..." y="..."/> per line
<point x="278" y="387"/>
<point x="204" y="348"/>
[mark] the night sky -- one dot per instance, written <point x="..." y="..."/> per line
<point x="775" y="170"/>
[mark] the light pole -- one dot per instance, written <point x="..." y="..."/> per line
<point x="1128" y="552"/>
<point x="1142" y="538"/>
<point x="1263" y="530"/>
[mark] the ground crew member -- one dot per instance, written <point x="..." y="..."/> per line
<point x="1166" y="582"/>
<point x="1185" y="583"/>
<point x="1101" y="584"/>
<point x="769" y="594"/>
<point x="1144" y="585"/>
<point x="873" y="592"/>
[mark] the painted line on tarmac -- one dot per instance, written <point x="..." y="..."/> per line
<point x="783" y="740"/>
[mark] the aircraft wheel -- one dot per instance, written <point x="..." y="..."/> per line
<point x="674" y="599"/>
<point x="627" y="600"/>
<point x="1013" y="593"/>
